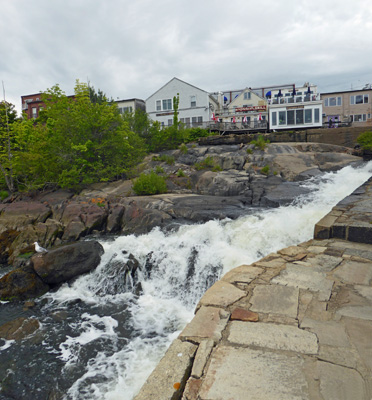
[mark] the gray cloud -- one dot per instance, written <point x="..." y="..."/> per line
<point x="131" y="48"/>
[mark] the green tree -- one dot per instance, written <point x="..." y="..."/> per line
<point x="8" y="115"/>
<point x="75" y="142"/>
<point x="97" y="97"/>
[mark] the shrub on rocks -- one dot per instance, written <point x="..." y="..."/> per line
<point x="148" y="184"/>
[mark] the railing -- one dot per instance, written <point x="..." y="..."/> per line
<point x="294" y="99"/>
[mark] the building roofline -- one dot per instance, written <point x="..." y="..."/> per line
<point x="186" y="83"/>
<point x="135" y="98"/>
<point x="346" y="91"/>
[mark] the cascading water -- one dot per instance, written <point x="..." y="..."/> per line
<point x="101" y="336"/>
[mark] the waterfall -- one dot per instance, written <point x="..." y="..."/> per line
<point x="119" y="324"/>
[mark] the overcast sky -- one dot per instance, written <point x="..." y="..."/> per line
<point x="131" y="48"/>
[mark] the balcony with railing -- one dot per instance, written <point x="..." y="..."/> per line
<point x="306" y="98"/>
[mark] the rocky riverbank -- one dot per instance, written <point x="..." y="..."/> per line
<point x="204" y="182"/>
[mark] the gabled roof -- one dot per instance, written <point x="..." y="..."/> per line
<point x="245" y="91"/>
<point x="179" y="81"/>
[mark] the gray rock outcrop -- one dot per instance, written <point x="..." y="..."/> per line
<point x="67" y="262"/>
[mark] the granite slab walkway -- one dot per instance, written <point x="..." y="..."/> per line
<point x="297" y="324"/>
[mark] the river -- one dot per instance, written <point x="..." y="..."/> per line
<point x="101" y="336"/>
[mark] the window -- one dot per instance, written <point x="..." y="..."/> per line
<point x="192" y="101"/>
<point x="332" y="101"/>
<point x="282" y="118"/>
<point x="359" y="117"/>
<point x="187" y="121"/>
<point x="359" y="99"/>
<point x="273" y="118"/>
<point x="290" y="117"/>
<point x="196" y="121"/>
<point x="316" y="115"/>
<point x="170" y="122"/>
<point x="167" y="104"/>
<point x="299" y="117"/>
<point x="308" y="116"/>
<point x="34" y="112"/>
<point x="158" y="105"/>
<point x="247" y="95"/>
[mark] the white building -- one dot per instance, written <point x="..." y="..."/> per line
<point x="295" y="108"/>
<point x="195" y="107"/>
<point x="130" y="105"/>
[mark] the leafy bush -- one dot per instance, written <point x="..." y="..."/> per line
<point x="265" y="170"/>
<point x="260" y="143"/>
<point x="365" y="140"/>
<point x="193" y="134"/>
<point x="180" y="173"/>
<point x="148" y="184"/>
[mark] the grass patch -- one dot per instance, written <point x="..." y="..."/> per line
<point x="165" y="158"/>
<point x="265" y="170"/>
<point x="183" y="149"/>
<point x="207" y="163"/>
<point x="260" y="143"/>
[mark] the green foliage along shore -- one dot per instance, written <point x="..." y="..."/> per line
<point x="365" y="140"/>
<point x="79" y="140"/>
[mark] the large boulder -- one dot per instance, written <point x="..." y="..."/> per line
<point x="21" y="284"/>
<point x="67" y="262"/>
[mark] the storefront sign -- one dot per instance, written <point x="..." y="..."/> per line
<point x="162" y="114"/>
<point x="253" y="108"/>
<point x="295" y="107"/>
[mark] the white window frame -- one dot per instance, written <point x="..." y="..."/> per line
<point x="247" y="95"/>
<point x="338" y="100"/>
<point x="158" y="105"/>
<point x="364" y="97"/>
<point x="192" y="101"/>
<point x="167" y="104"/>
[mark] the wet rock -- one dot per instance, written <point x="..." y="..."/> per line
<point x="67" y="262"/>
<point x="19" y="328"/>
<point x="124" y="274"/>
<point x="21" y="284"/>
<point x="6" y="239"/>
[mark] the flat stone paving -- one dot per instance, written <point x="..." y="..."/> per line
<point x="297" y="324"/>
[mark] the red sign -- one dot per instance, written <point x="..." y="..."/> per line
<point x="253" y="108"/>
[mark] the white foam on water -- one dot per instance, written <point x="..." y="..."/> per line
<point x="91" y="328"/>
<point x="7" y="344"/>
<point x="184" y="264"/>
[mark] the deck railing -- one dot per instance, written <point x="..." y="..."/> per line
<point x="294" y="99"/>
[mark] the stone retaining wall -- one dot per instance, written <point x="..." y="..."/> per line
<point x="350" y="219"/>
